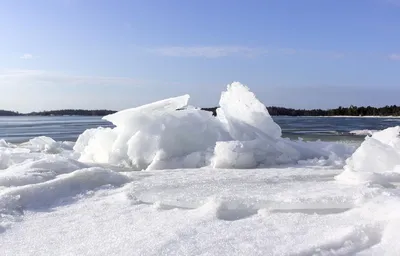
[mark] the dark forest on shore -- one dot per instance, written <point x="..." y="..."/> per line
<point x="274" y="111"/>
<point x="62" y="112"/>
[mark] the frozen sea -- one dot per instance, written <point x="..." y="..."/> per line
<point x="155" y="181"/>
<point x="68" y="128"/>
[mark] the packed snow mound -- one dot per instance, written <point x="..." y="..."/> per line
<point x="285" y="211"/>
<point x="170" y="134"/>
<point x="71" y="184"/>
<point x="41" y="173"/>
<point x="376" y="160"/>
<point x="33" y="171"/>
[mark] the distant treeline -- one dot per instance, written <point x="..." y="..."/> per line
<point x="73" y="112"/>
<point x="340" y="111"/>
<point x="274" y="111"/>
<point x="63" y="112"/>
<point x="8" y="113"/>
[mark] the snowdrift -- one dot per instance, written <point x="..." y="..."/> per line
<point x="377" y="160"/>
<point x="171" y="134"/>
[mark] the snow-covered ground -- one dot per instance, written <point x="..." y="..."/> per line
<point x="298" y="198"/>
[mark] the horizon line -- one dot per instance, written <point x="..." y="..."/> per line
<point x="203" y="108"/>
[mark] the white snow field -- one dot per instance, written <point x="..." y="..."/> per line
<point x="167" y="182"/>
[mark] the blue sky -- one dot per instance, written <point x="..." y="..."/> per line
<point x="119" y="54"/>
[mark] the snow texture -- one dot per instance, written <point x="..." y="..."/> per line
<point x="83" y="198"/>
<point x="286" y="211"/>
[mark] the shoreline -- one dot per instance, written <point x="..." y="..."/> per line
<point x="391" y="117"/>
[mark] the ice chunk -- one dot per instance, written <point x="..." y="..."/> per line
<point x="233" y="154"/>
<point x="95" y="145"/>
<point x="174" y="136"/>
<point x="83" y="140"/>
<point x="152" y="136"/>
<point x="126" y="117"/>
<point x="390" y="136"/>
<point x="169" y="134"/>
<point x="251" y="154"/>
<point x="377" y="155"/>
<point x="244" y="116"/>
<point x="43" y="144"/>
<point x="363" y="132"/>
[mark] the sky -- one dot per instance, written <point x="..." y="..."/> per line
<point x="93" y="54"/>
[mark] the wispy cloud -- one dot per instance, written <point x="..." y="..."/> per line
<point x="27" y="56"/>
<point x="243" y="51"/>
<point x="225" y="51"/>
<point x="32" y="90"/>
<point x="394" y="56"/>
<point x="18" y="77"/>
<point x="209" y="51"/>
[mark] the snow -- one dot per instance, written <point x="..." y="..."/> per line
<point x="225" y="185"/>
<point x="33" y="171"/>
<point x="289" y="211"/>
